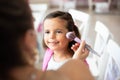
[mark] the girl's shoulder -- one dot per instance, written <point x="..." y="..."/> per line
<point x="47" y="57"/>
<point x="48" y="51"/>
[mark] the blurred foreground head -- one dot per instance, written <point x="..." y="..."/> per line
<point x="15" y="21"/>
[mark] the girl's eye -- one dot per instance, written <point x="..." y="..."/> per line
<point x="58" y="31"/>
<point x="46" y="32"/>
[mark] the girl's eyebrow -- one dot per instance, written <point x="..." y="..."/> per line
<point x="59" y="29"/>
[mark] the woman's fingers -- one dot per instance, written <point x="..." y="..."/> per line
<point x="85" y="54"/>
<point x="80" y="51"/>
<point x="75" y="46"/>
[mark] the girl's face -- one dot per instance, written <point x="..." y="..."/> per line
<point x="55" y="34"/>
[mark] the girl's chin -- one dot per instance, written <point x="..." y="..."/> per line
<point x="52" y="48"/>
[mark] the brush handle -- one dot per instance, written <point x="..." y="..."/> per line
<point x="86" y="46"/>
<point x="92" y="50"/>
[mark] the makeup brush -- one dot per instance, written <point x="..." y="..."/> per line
<point x="72" y="36"/>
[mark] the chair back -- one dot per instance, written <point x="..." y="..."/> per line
<point x="81" y="21"/>
<point x="102" y="36"/>
<point x="38" y="12"/>
<point x="113" y="66"/>
<point x="98" y="64"/>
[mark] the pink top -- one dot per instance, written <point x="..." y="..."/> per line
<point x="47" y="57"/>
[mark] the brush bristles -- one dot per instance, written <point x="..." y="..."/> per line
<point x="70" y="35"/>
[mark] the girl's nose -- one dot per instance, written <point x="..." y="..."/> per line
<point x="52" y="35"/>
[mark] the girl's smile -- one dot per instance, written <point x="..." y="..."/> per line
<point x="53" y="43"/>
<point x="55" y="34"/>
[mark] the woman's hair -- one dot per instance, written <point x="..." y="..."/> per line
<point x="15" y="20"/>
<point x="70" y="24"/>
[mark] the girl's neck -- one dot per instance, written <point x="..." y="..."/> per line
<point x="61" y="55"/>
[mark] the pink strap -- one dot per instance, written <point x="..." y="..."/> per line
<point x="46" y="59"/>
<point x="86" y="62"/>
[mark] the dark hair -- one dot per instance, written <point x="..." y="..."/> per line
<point x="15" y="20"/>
<point x="70" y="24"/>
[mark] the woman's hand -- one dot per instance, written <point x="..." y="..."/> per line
<point x="80" y="51"/>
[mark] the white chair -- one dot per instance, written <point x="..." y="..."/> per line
<point x="69" y="4"/>
<point x="38" y="11"/>
<point x="102" y="37"/>
<point x="100" y="7"/>
<point x="113" y="66"/>
<point x="80" y="17"/>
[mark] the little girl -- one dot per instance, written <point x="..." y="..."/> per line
<point x="58" y="47"/>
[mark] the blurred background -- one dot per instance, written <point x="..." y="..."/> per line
<point x="102" y="22"/>
<point x="106" y="11"/>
